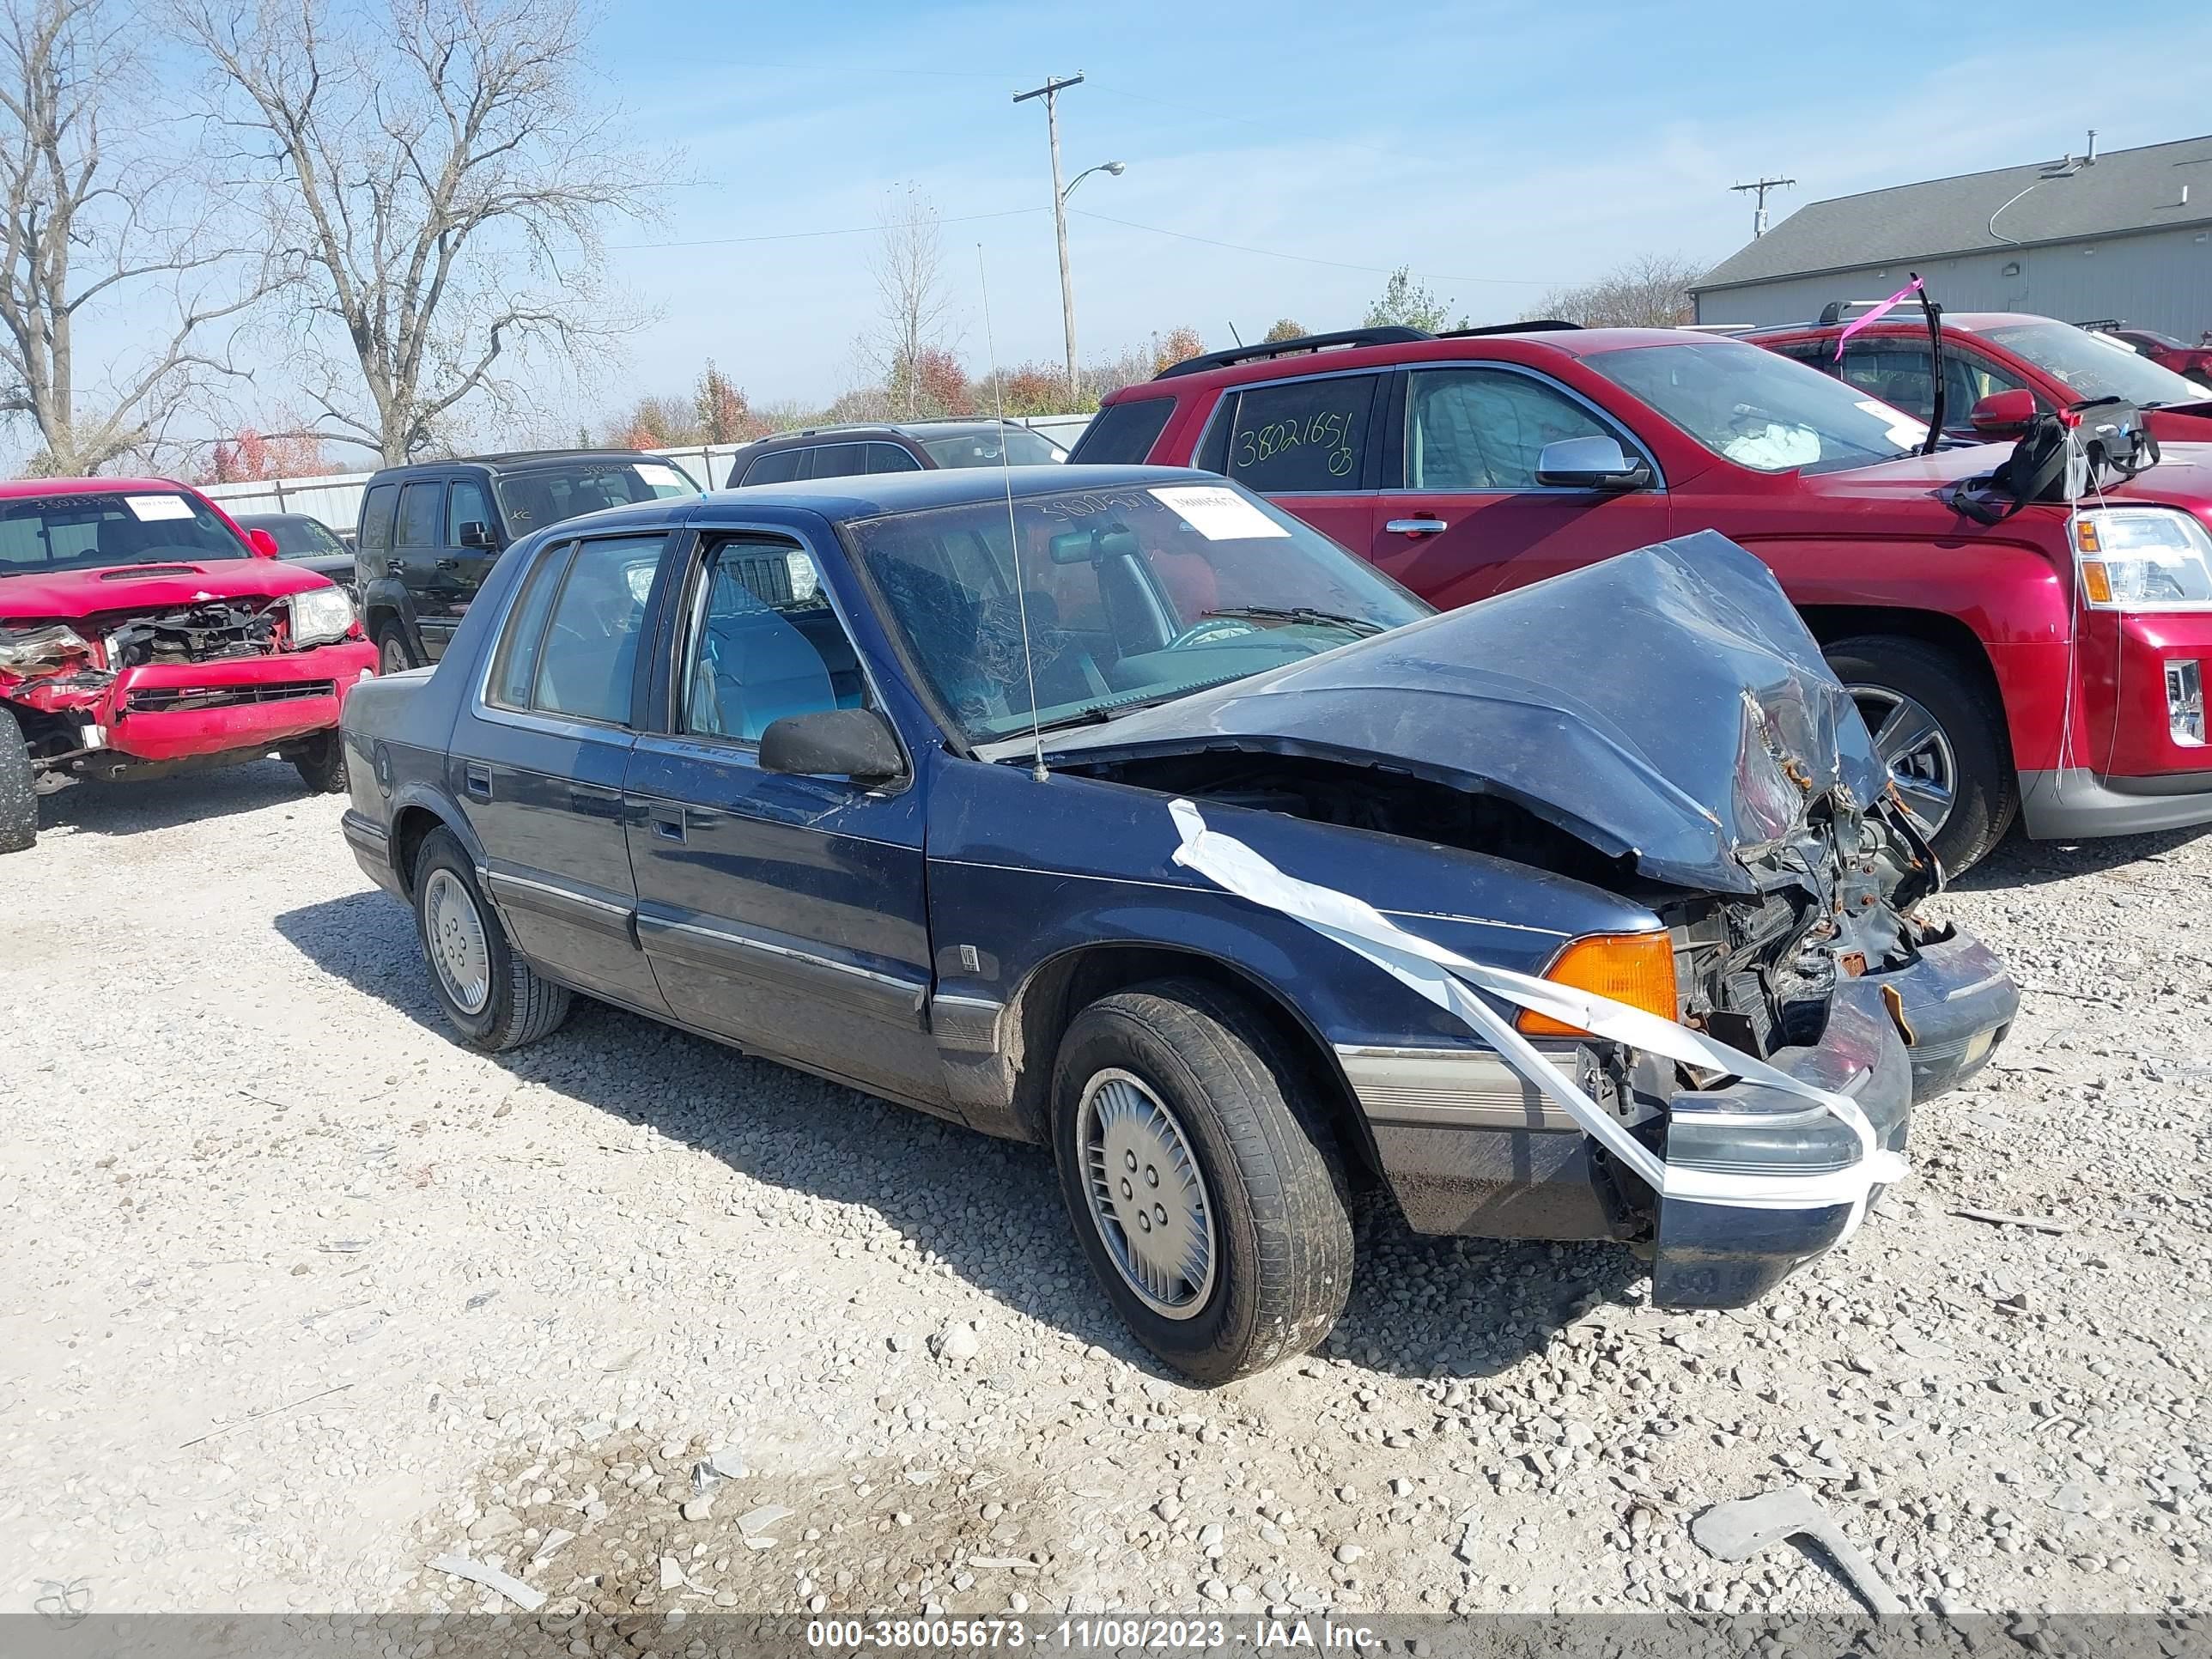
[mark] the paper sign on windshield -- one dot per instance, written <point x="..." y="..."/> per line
<point x="1218" y="514"/>
<point x="147" y="507"/>
<point x="658" y="476"/>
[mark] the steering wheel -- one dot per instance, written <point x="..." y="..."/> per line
<point x="1208" y="630"/>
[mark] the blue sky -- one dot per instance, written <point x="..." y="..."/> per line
<point x="1498" y="149"/>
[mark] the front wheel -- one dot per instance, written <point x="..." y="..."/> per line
<point x="1202" y="1181"/>
<point x="1941" y="734"/>
<point x="19" y="790"/>
<point x="491" y="996"/>
<point x="321" y="763"/>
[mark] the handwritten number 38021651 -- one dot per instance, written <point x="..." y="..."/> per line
<point x="1330" y="430"/>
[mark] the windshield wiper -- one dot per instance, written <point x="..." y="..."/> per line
<point x="1297" y="613"/>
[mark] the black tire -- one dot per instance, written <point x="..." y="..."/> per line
<point x="392" y="656"/>
<point x="519" y="1007"/>
<point x="1281" y="1265"/>
<point x="18" y="795"/>
<point x="321" y="763"/>
<point x="1985" y="793"/>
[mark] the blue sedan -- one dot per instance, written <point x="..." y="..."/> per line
<point x="1113" y="809"/>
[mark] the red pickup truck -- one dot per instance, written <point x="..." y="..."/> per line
<point x="142" y="633"/>
<point x="2049" y="666"/>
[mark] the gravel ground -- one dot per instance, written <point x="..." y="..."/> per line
<point x="300" y="1294"/>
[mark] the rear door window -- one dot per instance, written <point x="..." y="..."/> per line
<point x="1306" y="437"/>
<point x="421" y="513"/>
<point x="524" y="634"/>
<point x="587" y="661"/>
<point x="841" y="461"/>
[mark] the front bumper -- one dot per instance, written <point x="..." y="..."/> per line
<point x="1956" y="1003"/>
<point x="165" y="712"/>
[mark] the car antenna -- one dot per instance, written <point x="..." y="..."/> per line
<point x="1235" y="336"/>
<point x="1014" y="534"/>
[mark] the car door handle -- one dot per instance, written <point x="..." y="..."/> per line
<point x="449" y="564"/>
<point x="668" y="823"/>
<point x="476" y="778"/>
<point x="395" y="564"/>
<point x="1415" y="527"/>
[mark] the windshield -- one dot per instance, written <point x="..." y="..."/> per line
<point x="1133" y="596"/>
<point x="982" y="447"/>
<point x="547" y="494"/>
<point x="2096" y="365"/>
<point x="299" y="538"/>
<point x="41" y="533"/>
<point x="1760" y="409"/>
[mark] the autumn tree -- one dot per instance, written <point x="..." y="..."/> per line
<point x="1285" y="329"/>
<point x="722" y="415"/>
<point x="1176" y="346"/>
<point x="1649" y="291"/>
<point x="97" y="214"/>
<point x="248" y="455"/>
<point x="913" y="301"/>
<point x="1405" y="303"/>
<point x="443" y="170"/>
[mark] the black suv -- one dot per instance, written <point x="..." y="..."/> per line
<point x="843" y="452"/>
<point x="430" y="532"/>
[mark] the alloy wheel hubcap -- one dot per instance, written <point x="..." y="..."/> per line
<point x="1916" y="750"/>
<point x="1148" y="1200"/>
<point x="458" y="950"/>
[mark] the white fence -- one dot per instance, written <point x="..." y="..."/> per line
<point x="335" y="498"/>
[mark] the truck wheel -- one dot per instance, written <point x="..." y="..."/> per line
<point x="493" y="999"/>
<point x="321" y="763"/>
<point x="1201" y="1178"/>
<point x="392" y="656"/>
<point x="19" y="795"/>
<point x="1942" y="736"/>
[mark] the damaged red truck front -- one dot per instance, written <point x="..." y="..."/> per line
<point x="143" y="634"/>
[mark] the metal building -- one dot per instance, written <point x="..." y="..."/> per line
<point x="2126" y="234"/>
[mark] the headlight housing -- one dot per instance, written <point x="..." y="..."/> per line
<point x="2142" y="558"/>
<point x="321" y="615"/>
<point x="48" y="647"/>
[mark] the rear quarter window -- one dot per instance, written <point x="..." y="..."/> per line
<point x="376" y="514"/>
<point x="1124" y="433"/>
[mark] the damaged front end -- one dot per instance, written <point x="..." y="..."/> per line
<point x="1664" y="728"/>
<point x="208" y="680"/>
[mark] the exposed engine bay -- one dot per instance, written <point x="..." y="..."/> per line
<point x="1758" y="970"/>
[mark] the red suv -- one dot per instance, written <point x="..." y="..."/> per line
<point x="2195" y="362"/>
<point x="142" y="632"/>
<point x="2000" y="369"/>
<point x="2051" y="664"/>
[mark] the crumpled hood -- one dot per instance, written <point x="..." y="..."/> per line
<point x="66" y="595"/>
<point x="1667" y="705"/>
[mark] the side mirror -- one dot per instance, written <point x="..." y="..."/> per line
<point x="2003" y="414"/>
<point x="836" y="743"/>
<point x="475" y="533"/>
<point x="1589" y="464"/>
<point x="262" y="543"/>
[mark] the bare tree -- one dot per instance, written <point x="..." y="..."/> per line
<point x="1651" y="291"/>
<point x="88" y="221"/>
<point x="442" y="169"/>
<point x="914" y="306"/>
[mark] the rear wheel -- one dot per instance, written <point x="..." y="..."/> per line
<point x="1201" y="1178"/>
<point x="493" y="997"/>
<point x="18" y="793"/>
<point x="392" y="656"/>
<point x="1941" y="734"/>
<point x="321" y="763"/>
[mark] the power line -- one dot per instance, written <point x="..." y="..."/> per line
<point x="808" y="235"/>
<point x="1309" y="260"/>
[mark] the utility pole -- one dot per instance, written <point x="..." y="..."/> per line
<point x="1758" y="214"/>
<point x="1050" y="92"/>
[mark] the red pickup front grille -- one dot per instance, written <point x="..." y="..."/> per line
<point x="188" y="699"/>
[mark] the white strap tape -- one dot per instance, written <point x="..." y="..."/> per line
<point x="1444" y="977"/>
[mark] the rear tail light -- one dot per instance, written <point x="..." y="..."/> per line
<point x="2185" y="703"/>
<point x="1637" y="968"/>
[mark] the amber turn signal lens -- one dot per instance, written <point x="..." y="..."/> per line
<point x="1637" y="968"/>
<point x="2096" y="581"/>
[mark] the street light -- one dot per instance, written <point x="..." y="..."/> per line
<point x="1050" y="92"/>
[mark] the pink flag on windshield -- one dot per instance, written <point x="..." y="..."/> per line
<point x="1881" y="310"/>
